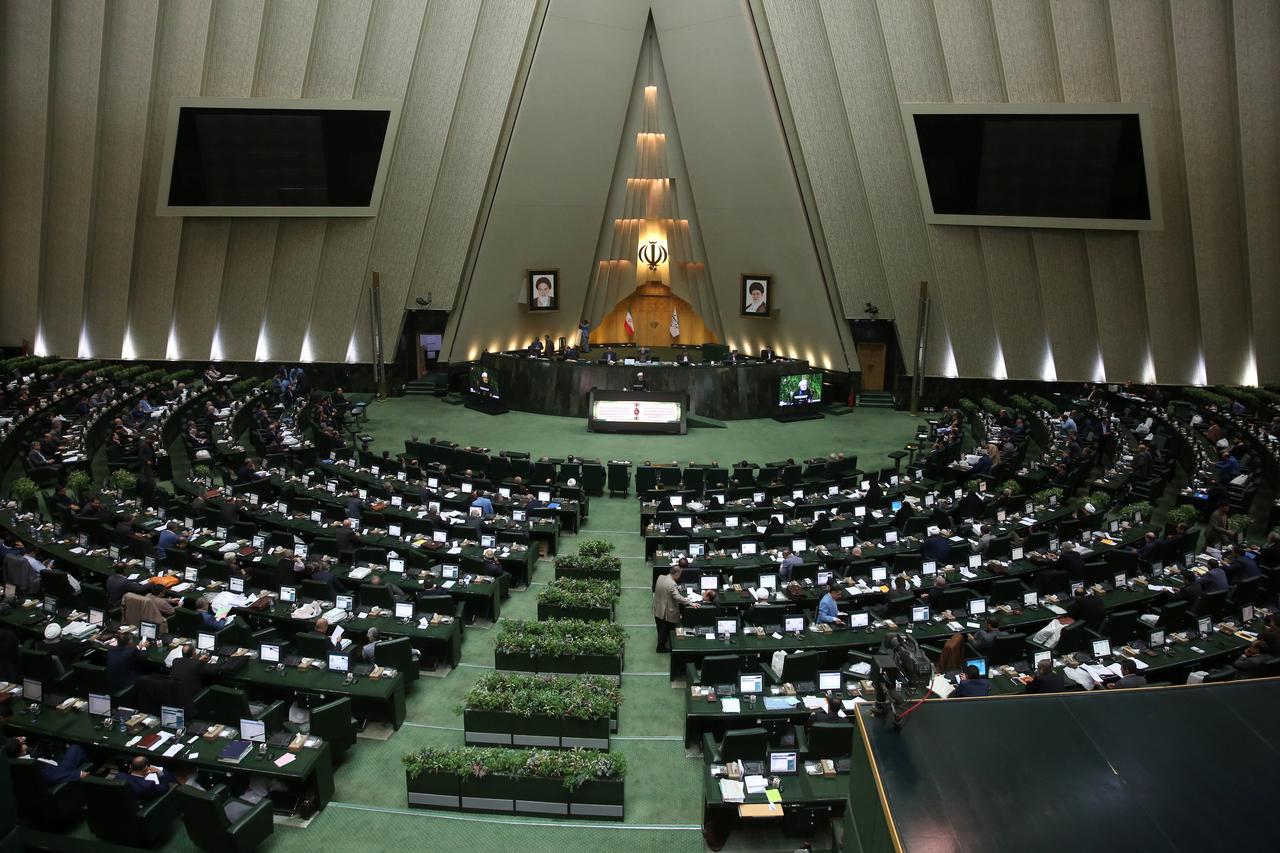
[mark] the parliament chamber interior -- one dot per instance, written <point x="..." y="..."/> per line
<point x="641" y="425"/>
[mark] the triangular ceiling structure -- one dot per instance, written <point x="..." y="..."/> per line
<point x="561" y="199"/>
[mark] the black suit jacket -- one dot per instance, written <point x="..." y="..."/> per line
<point x="1089" y="610"/>
<point x="1051" y="683"/>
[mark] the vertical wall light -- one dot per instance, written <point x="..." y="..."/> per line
<point x="39" y="347"/>
<point x="171" y="349"/>
<point x="306" y="357"/>
<point x="215" y="347"/>
<point x="126" y="347"/>
<point x="1149" y="371"/>
<point x="1048" y="368"/>
<point x="1250" y="376"/>
<point x="1100" y="368"/>
<point x="83" y="350"/>
<point x="260" y="353"/>
<point x="1202" y="372"/>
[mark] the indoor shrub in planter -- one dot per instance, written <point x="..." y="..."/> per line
<point x="578" y="782"/>
<point x="541" y="710"/>
<point x="1041" y="497"/>
<point x="24" y="490"/>
<point x="578" y="598"/>
<point x="1180" y="514"/>
<point x="124" y="482"/>
<point x="78" y="483"/>
<point x="434" y="777"/>
<point x="1142" y="511"/>
<point x="1239" y="523"/>
<point x="560" y="645"/>
<point x="596" y="548"/>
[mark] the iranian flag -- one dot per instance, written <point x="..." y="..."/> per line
<point x="630" y="325"/>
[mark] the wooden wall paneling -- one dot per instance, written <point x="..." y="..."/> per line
<point x="501" y="32"/>
<point x="230" y="62"/>
<point x="1087" y="69"/>
<point x="26" y="69"/>
<point x="332" y="66"/>
<point x="73" y="128"/>
<point x="1204" y="59"/>
<point x="181" y="40"/>
<point x="1257" y="54"/>
<point x="390" y="45"/>
<point x="431" y="107"/>
<point x="287" y="27"/>
<point x="128" y="61"/>
<point x="870" y="103"/>
<point x="804" y="56"/>
<point x="1145" y="62"/>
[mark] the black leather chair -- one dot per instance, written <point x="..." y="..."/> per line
<point x="398" y="654"/>
<point x="209" y="829"/>
<point x="229" y="705"/>
<point x="1122" y="626"/>
<point x="745" y="744"/>
<point x="372" y="595"/>
<point x="55" y="807"/>
<point x="1006" y="649"/>
<point x="115" y="816"/>
<point x="333" y="723"/>
<point x="829" y="740"/>
<point x="716" y="669"/>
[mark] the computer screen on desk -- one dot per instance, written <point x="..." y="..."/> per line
<point x="782" y="763"/>
<point x="697" y="549"/>
<point x="288" y="594"/>
<point x="726" y="626"/>
<point x="1039" y="656"/>
<point x="205" y="642"/>
<point x="404" y="609"/>
<point x="920" y="614"/>
<point x="830" y="680"/>
<point x="977" y="606"/>
<point x="748" y="684"/>
<point x="253" y="731"/>
<point x="769" y="582"/>
<point x="860" y="619"/>
<point x="342" y="602"/>
<point x="1102" y="648"/>
<point x="338" y="662"/>
<point x="750" y="549"/>
<point x="706" y="582"/>
<point x="99" y="705"/>
<point x="848" y="541"/>
<point x="793" y="624"/>
<point x="172" y="718"/>
<point x="980" y="663"/>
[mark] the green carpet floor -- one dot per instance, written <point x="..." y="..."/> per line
<point x="664" y="800"/>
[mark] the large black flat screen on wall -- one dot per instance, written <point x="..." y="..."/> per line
<point x="244" y="157"/>
<point x="1068" y="166"/>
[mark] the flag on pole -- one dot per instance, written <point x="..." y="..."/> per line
<point x="630" y="325"/>
<point x="675" y="324"/>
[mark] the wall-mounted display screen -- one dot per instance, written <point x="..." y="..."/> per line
<point x="263" y="157"/>
<point x="800" y="389"/>
<point x="1034" y="165"/>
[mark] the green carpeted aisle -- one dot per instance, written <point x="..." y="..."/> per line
<point x="663" y="786"/>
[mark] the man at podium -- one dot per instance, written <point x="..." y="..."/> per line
<point x="639" y="383"/>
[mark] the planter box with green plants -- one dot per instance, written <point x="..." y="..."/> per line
<point x="518" y="709"/>
<point x="25" y="491"/>
<point x="570" y="646"/>
<point x="557" y="783"/>
<point x="594" y="561"/>
<point x="1181" y="514"/>
<point x="574" y="598"/>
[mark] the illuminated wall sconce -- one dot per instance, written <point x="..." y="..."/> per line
<point x="653" y="253"/>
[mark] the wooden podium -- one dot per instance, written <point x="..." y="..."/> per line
<point x="651" y="305"/>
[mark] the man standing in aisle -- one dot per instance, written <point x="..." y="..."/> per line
<point x="666" y="606"/>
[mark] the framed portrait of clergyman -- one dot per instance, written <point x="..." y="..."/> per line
<point x="544" y="290"/>
<point x="757" y="295"/>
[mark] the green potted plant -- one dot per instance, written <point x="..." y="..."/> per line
<point x="494" y="781"/>
<point x="1180" y="514"/>
<point x="78" y="482"/>
<point x="434" y="778"/>
<point x="202" y="473"/>
<point x="124" y="481"/>
<point x="1140" y="511"/>
<point x="25" y="491"/>
<point x="1011" y="487"/>
<point x="560" y="645"/>
<point x="573" y="598"/>
<point x="1239" y="523"/>
<point x="541" y="710"/>
<point x="596" y="784"/>
<point x="596" y="548"/>
<point x="1041" y="498"/>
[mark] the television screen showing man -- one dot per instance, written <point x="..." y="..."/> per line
<point x="482" y="384"/>
<point x="800" y="389"/>
<point x="639" y="383"/>
<point x="802" y="394"/>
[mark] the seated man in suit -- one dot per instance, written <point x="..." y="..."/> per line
<point x="609" y="357"/>
<point x="973" y="684"/>
<point x="1088" y="608"/>
<point x="1130" y="676"/>
<point x="142" y="788"/>
<point x="1045" y="680"/>
<point x="64" y="768"/>
<point x="639" y="383"/>
<point x="369" y="648"/>
<point x="684" y="360"/>
<point x="1243" y="565"/>
<point x="984" y="637"/>
<point x="491" y="567"/>
<point x="1266" y="646"/>
<point x="936" y="547"/>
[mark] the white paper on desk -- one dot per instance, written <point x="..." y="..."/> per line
<point x="813" y="703"/>
<point x="776" y="635"/>
<point x="77" y="550"/>
<point x="1027" y="521"/>
<point x="861" y="669"/>
<point x="1155" y="587"/>
<point x="732" y="791"/>
<point x="1053" y="608"/>
<point x="359" y="574"/>
<point x="448" y="584"/>
<point x="456" y="549"/>
<point x="287" y="758"/>
<point x="730" y="705"/>
<point x="133" y="740"/>
<point x="1139" y="664"/>
<point x="755" y="784"/>
<point x="164" y="737"/>
<point x="941" y="687"/>
<point x="181" y="587"/>
<point x="955" y="626"/>
<point x="172" y="751"/>
<point x="967" y="573"/>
